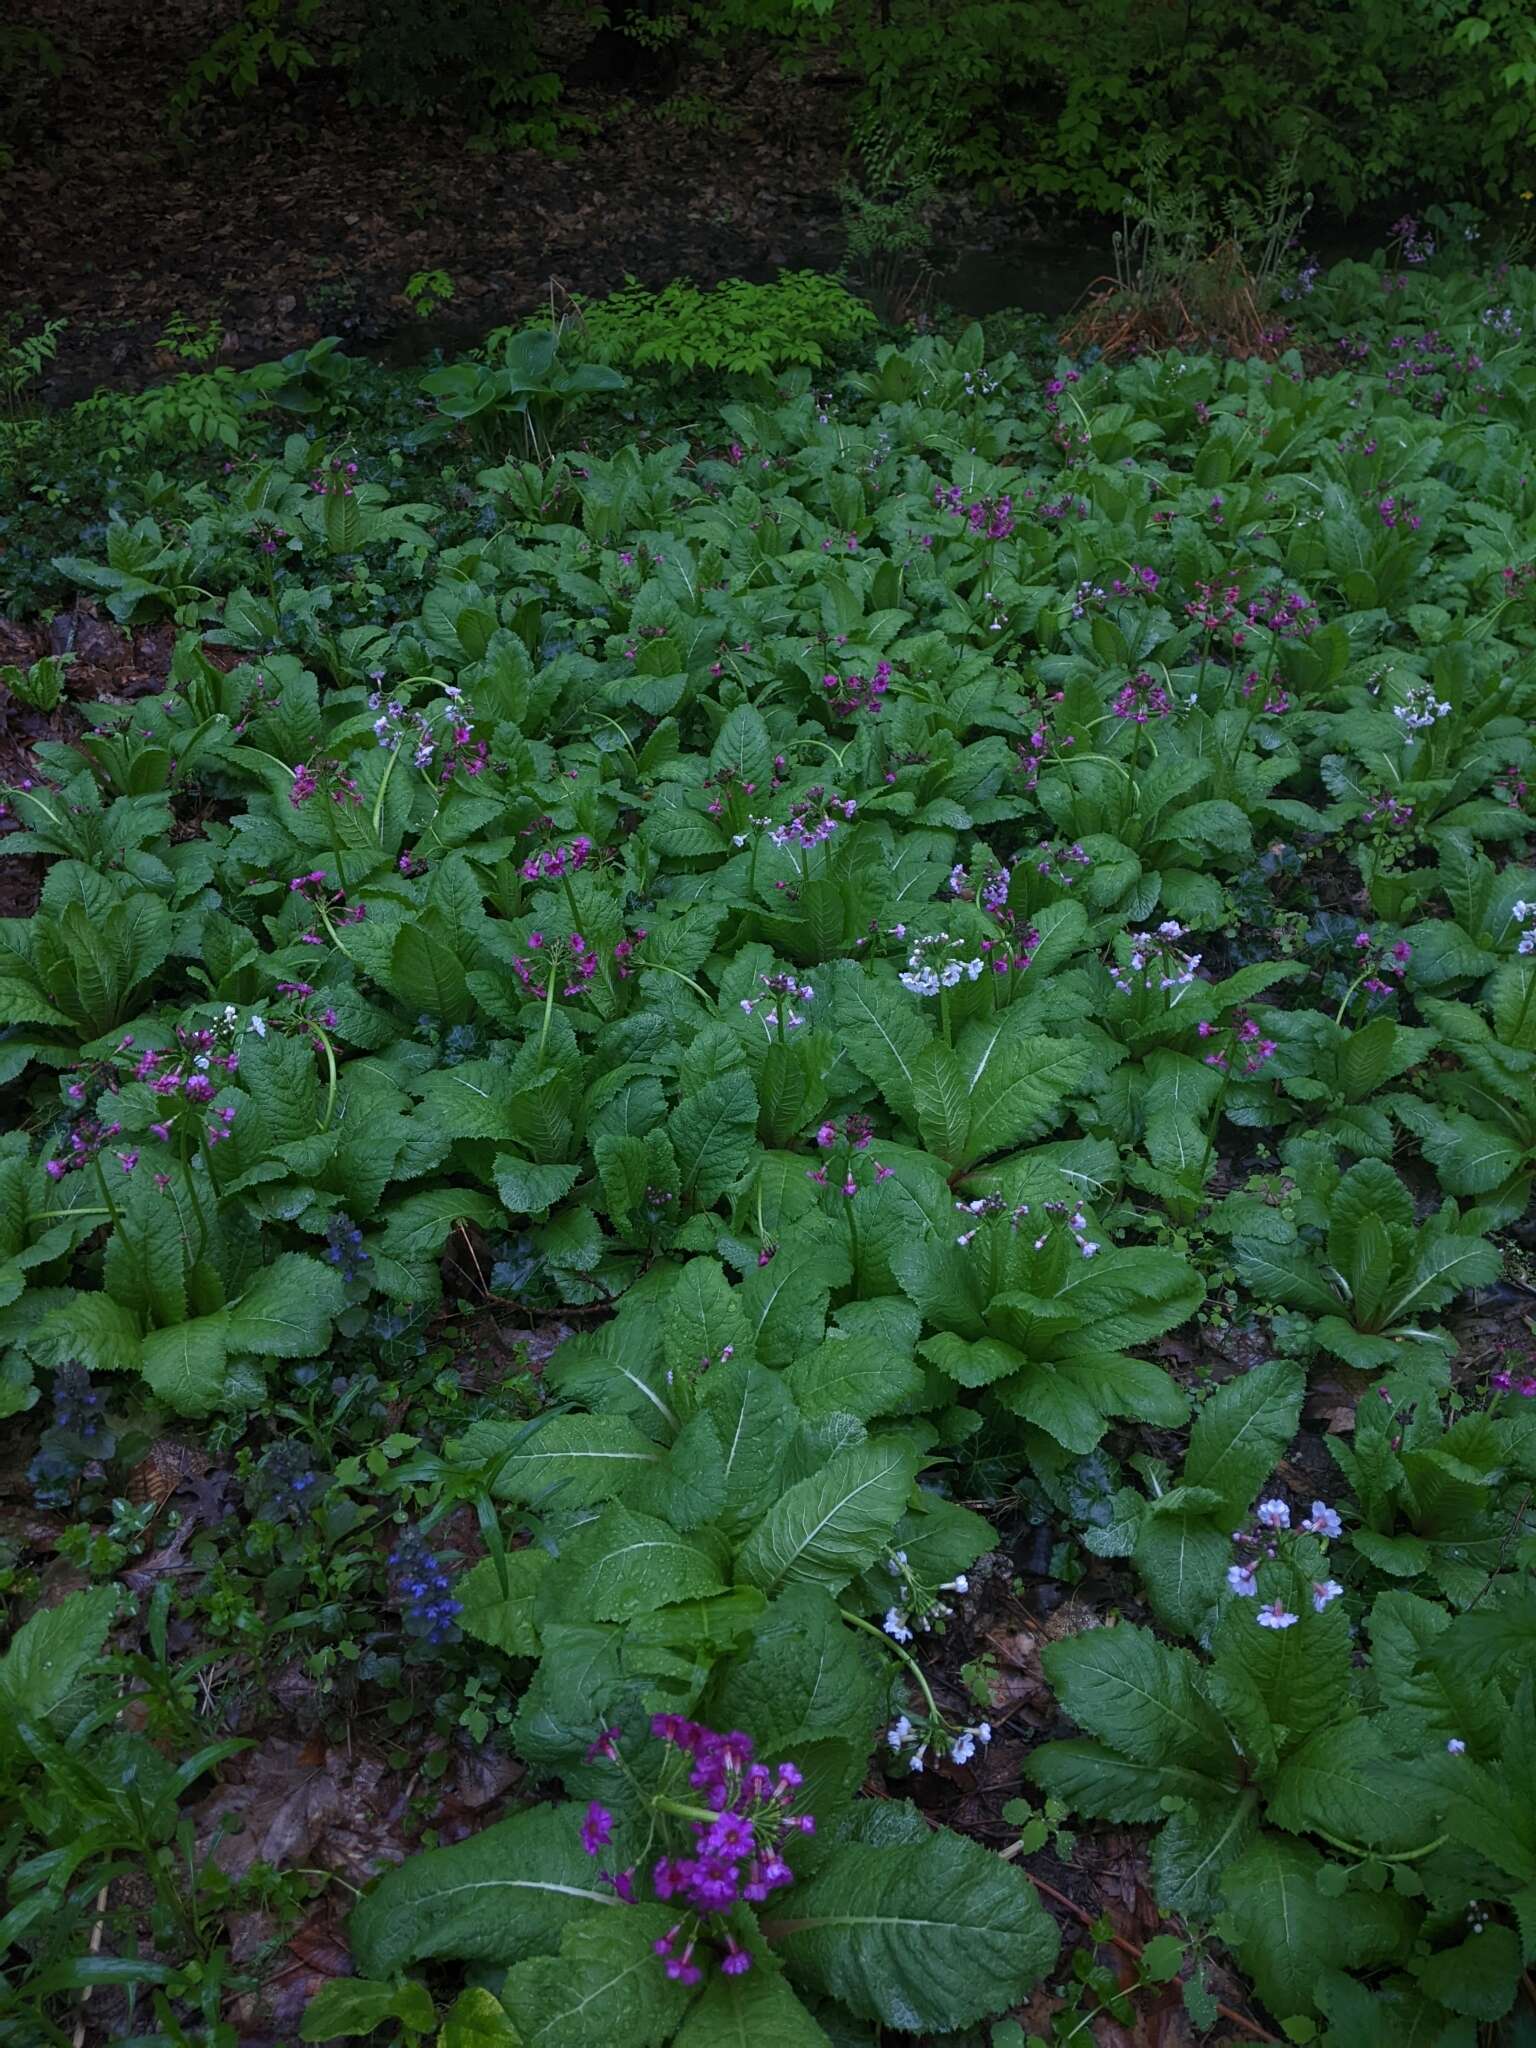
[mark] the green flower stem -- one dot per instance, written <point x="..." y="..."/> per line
<point x="895" y="1649"/>
<point x="1383" y="1855"/>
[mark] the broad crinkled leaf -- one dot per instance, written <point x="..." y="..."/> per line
<point x="713" y="1131"/>
<point x="750" y="2011"/>
<point x="932" y="1936"/>
<point x="1241" y="1432"/>
<point x="626" y="1564"/>
<point x="884" y="1029"/>
<point x="828" y="1527"/>
<point x="570" y="1461"/>
<point x="1285" y="1930"/>
<point x="606" y="1985"/>
<point x="45" y="1658"/>
<point x="287" y="1310"/>
<point x="503" y="1894"/>
<point x="1138" y="1695"/>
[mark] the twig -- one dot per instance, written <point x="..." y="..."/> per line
<point x="1251" y="2027"/>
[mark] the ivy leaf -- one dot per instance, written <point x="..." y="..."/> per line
<point x="935" y="1935"/>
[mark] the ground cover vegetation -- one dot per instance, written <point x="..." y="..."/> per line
<point x="766" y="1192"/>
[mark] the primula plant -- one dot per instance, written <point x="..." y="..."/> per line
<point x="721" y="1141"/>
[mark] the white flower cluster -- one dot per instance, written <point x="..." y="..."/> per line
<point x="1420" y="710"/>
<point x="1525" y="914"/>
<point x="1157" y="961"/>
<point x="922" y="978"/>
<point x="917" y="1604"/>
<point x="962" y="1743"/>
<point x="1275" y="1515"/>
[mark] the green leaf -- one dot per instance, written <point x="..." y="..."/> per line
<point x="605" y="1986"/>
<point x="287" y="1310"/>
<point x="1445" y="1265"/>
<point x="1343" y="1781"/>
<point x="49" y="1652"/>
<point x="626" y="1564"/>
<point x="1097" y="1780"/>
<point x="713" y="1133"/>
<point x="1194" y="1849"/>
<point x="1241" y="1433"/>
<point x="351" y="2007"/>
<point x="803" y="1676"/>
<point x="501" y="1895"/>
<point x="942" y="1100"/>
<point x="186" y="1365"/>
<point x="931" y="1935"/>
<point x="93" y="1329"/>
<point x="755" y="2010"/>
<point x="702" y="1317"/>
<point x="829" y="1527"/>
<point x="883" y="1030"/>
<point x="1297" y="1679"/>
<point x="1138" y="1695"/>
<point x="477" y="2019"/>
<point x="529" y="1190"/>
<point x="854" y="1375"/>
<point x="785" y="1301"/>
<point x="503" y="1618"/>
<point x="1021" y="1093"/>
<point x="1287" y="1932"/>
<point x="754" y="1419"/>
<point x="573" y="1461"/>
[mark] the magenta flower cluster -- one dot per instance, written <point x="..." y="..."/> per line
<point x="988" y="518"/>
<point x="1248" y="1043"/>
<point x="741" y="1824"/>
<point x="848" y="695"/>
<point x="558" y="861"/>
